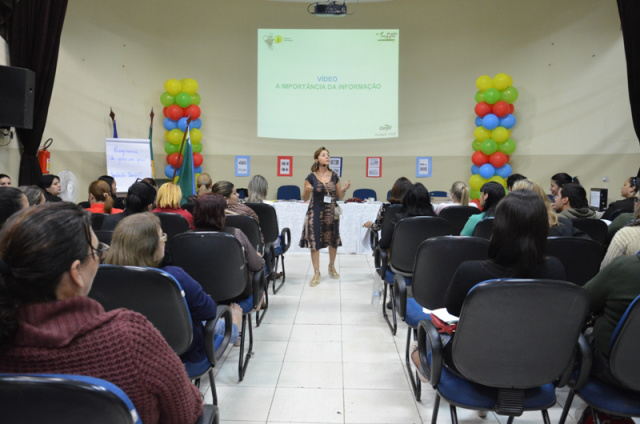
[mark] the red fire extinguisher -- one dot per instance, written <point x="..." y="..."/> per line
<point x="44" y="157"/>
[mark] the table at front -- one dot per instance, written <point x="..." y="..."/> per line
<point x="291" y="215"/>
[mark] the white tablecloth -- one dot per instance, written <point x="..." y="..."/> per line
<point x="291" y="215"/>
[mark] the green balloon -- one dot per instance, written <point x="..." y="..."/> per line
<point x="509" y="95"/>
<point x="508" y="147"/>
<point x="183" y="99"/>
<point x="476" y="145"/>
<point x="489" y="146"/>
<point x="197" y="148"/>
<point x="167" y="99"/>
<point x="491" y="96"/>
<point x="195" y="99"/>
<point x="171" y="148"/>
<point x="479" y="96"/>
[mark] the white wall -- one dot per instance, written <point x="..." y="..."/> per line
<point x="566" y="59"/>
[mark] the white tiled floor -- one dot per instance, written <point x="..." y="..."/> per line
<point x="325" y="355"/>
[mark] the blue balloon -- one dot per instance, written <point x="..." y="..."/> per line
<point x="508" y="121"/>
<point x="196" y="124"/>
<point x="487" y="171"/>
<point x="490" y="121"/>
<point x="478" y="121"/>
<point x="182" y="124"/>
<point x="168" y="171"/>
<point x="504" y="172"/>
<point x="170" y="124"/>
<point x="197" y="170"/>
<point x="475" y="170"/>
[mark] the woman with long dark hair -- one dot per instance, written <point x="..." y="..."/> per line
<point x="51" y="185"/>
<point x="399" y="189"/>
<point x="491" y="194"/>
<point x="559" y="180"/>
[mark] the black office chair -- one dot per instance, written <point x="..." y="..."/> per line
<point x="70" y="399"/>
<point x="243" y="193"/>
<point x="288" y="192"/>
<point x="223" y="275"/>
<point x="172" y="223"/>
<point x="365" y="193"/>
<point x="159" y="297"/>
<point x="104" y="236"/>
<point x="595" y="228"/>
<point x="407" y="236"/>
<point x="249" y="227"/>
<point x="437" y="260"/>
<point x="623" y="362"/>
<point x="484" y="228"/>
<point x="96" y="221"/>
<point x="84" y="205"/>
<point x="457" y="216"/>
<point x="514" y="342"/>
<point x="581" y="257"/>
<point x="276" y="242"/>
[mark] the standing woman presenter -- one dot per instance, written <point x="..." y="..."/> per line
<point x="322" y="223"/>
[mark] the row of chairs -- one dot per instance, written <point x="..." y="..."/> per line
<point x="292" y="192"/>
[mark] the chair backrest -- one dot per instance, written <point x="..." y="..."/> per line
<point x="151" y="292"/>
<point x="96" y="220"/>
<point x="365" y="193"/>
<point x="518" y="333"/>
<point x="104" y="236"/>
<point x="249" y="227"/>
<point x="581" y="257"/>
<point x="484" y="228"/>
<point x="288" y="192"/>
<point x="388" y="220"/>
<point x="172" y="223"/>
<point x="595" y="228"/>
<point x="243" y="193"/>
<point x="62" y="398"/>
<point x="268" y="220"/>
<point x="407" y="236"/>
<point x="623" y="356"/>
<point x="438" y="193"/>
<point x="222" y="271"/>
<point x="437" y="260"/>
<point x="457" y="216"/>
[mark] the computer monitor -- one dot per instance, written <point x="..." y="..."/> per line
<point x="598" y="198"/>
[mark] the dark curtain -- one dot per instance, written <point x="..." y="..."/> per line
<point x="630" y="22"/>
<point x="34" y="39"/>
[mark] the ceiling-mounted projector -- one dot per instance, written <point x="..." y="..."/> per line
<point x="330" y="8"/>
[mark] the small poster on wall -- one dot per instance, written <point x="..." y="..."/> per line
<point x="285" y="166"/>
<point x="336" y="165"/>
<point x="243" y="166"/>
<point x="423" y="166"/>
<point x="374" y="166"/>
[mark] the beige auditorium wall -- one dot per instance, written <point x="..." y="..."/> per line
<point x="566" y="59"/>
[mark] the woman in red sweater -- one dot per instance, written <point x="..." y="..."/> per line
<point x="49" y="325"/>
<point x="100" y="199"/>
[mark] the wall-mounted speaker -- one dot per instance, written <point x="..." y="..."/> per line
<point x="17" y="91"/>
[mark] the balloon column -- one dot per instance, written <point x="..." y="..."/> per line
<point x="180" y="100"/>
<point x="492" y="142"/>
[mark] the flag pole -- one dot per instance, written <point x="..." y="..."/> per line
<point x="153" y="168"/>
<point x="113" y="120"/>
<point x="184" y="137"/>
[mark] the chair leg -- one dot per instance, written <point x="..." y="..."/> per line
<point x="212" y="382"/>
<point x="393" y="327"/>
<point x="275" y="274"/>
<point x="416" y="385"/>
<point x="436" y="408"/>
<point x="454" y="414"/>
<point x="260" y="316"/>
<point x="243" y="361"/>
<point x="510" y="420"/>
<point x="567" y="406"/>
<point x="545" y="416"/>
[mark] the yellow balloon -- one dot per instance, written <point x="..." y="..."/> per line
<point x="484" y="82"/>
<point x="172" y="86"/>
<point x="476" y="182"/>
<point x="499" y="180"/>
<point x="166" y="135"/>
<point x="195" y="135"/>
<point x="500" y="134"/>
<point x="502" y="81"/>
<point x="175" y="136"/>
<point x="509" y="132"/>
<point x="481" y="133"/>
<point x="190" y="86"/>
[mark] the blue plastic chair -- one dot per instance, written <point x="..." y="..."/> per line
<point x="288" y="192"/>
<point x="365" y="193"/>
<point x="438" y="193"/>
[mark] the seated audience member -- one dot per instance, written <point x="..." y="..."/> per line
<point x="559" y="226"/>
<point x="12" y="200"/>
<point x="617" y="223"/>
<point x="118" y="202"/>
<point x="5" y="180"/>
<point x="399" y="189"/>
<point x="138" y="240"/>
<point x="209" y="215"/>
<point x="234" y="207"/>
<point x="491" y="194"/>
<point x="51" y="185"/>
<point x="169" y="199"/>
<point x="100" y="199"/>
<point x="627" y="205"/>
<point x="459" y="195"/>
<point x="571" y="202"/>
<point x="258" y="187"/>
<point x="626" y="241"/>
<point x="514" y="178"/>
<point x="559" y="180"/>
<point x="416" y="202"/>
<point x="204" y="184"/>
<point x="151" y="181"/>
<point x="34" y="194"/>
<point x="48" y="325"/>
<point x="140" y="198"/>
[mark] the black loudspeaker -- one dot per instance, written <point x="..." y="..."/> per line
<point x="17" y="91"/>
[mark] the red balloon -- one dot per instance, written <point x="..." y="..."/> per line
<point x="498" y="159"/>
<point x="508" y="158"/>
<point x="165" y="112"/>
<point x="482" y="109"/>
<point x="193" y="110"/>
<point x="174" y="112"/>
<point x="479" y="158"/>
<point x="476" y="201"/>
<point x="511" y="108"/>
<point x="501" y="109"/>
<point x="175" y="160"/>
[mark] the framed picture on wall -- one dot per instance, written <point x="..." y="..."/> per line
<point x="336" y="165"/>
<point x="423" y="166"/>
<point x="285" y="166"/>
<point x="374" y="166"/>
<point x="243" y="166"/>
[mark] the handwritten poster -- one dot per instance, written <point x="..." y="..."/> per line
<point x="127" y="160"/>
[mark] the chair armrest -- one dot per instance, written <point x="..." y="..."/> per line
<point x="209" y="333"/>
<point x="584" y="357"/>
<point x="400" y="294"/>
<point x="258" y="287"/>
<point x="285" y="239"/>
<point x="381" y="258"/>
<point x="209" y="415"/>
<point x="429" y="343"/>
<point x="269" y="255"/>
<point x="374" y="237"/>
